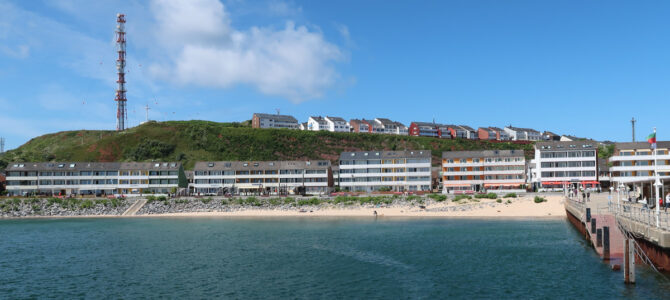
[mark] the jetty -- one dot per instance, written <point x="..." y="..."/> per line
<point x="594" y="219"/>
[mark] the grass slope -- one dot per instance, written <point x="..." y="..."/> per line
<point x="191" y="141"/>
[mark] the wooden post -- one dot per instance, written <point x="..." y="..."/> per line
<point x="606" y="243"/>
<point x="593" y="225"/>
<point x="599" y="237"/>
<point x="626" y="265"/>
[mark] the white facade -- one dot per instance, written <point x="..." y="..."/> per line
<point x="336" y="124"/>
<point x="317" y="124"/>
<point x="477" y="171"/>
<point x="84" y="178"/>
<point x="262" y="177"/>
<point x="523" y="134"/>
<point x="260" y="120"/>
<point x="374" y="170"/>
<point x="559" y="164"/>
<point x="634" y="162"/>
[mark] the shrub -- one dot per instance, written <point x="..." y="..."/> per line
<point x="539" y="199"/>
<point x="412" y="197"/>
<point x="86" y="204"/>
<point x="36" y="208"/>
<point x="224" y="202"/>
<point x="311" y="201"/>
<point x="461" y="197"/>
<point x="385" y="189"/>
<point x="487" y="196"/>
<point x="151" y="199"/>
<point x="438" y="197"/>
<point x="275" y="201"/>
<point x="161" y="198"/>
<point x="206" y="200"/>
<point x="499" y="200"/>
<point x="252" y="201"/>
<point x="510" y="195"/>
<point x="508" y="201"/>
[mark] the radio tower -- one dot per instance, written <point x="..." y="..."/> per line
<point x="2" y="145"/>
<point x="121" y="113"/>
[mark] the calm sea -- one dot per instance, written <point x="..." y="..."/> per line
<point x="307" y="258"/>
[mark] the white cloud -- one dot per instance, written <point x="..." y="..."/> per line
<point x="293" y="62"/>
<point x="20" y="51"/>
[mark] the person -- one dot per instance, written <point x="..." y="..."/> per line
<point x="588" y="195"/>
<point x="583" y="196"/>
<point x="611" y="189"/>
<point x="667" y="201"/>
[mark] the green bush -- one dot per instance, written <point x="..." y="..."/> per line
<point x="461" y="197"/>
<point x="499" y="200"/>
<point x="412" y="197"/>
<point x="539" y="199"/>
<point x="161" y="198"/>
<point x="508" y="201"/>
<point x="206" y="200"/>
<point x="385" y="189"/>
<point x="510" y="195"/>
<point x="224" y="202"/>
<point x="438" y="197"/>
<point x="486" y="196"/>
<point x="151" y="199"/>
<point x="311" y="201"/>
<point x="86" y="204"/>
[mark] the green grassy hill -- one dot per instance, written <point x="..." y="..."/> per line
<point x="191" y="141"/>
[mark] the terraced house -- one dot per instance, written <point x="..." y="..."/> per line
<point x="400" y="171"/>
<point x="262" y="177"/>
<point x="89" y="178"/>
<point x="633" y="167"/>
<point x="500" y="171"/>
<point x="337" y="124"/>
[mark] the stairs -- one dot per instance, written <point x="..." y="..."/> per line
<point x="133" y="209"/>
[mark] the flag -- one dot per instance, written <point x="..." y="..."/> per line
<point x="652" y="140"/>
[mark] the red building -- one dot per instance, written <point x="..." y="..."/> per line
<point x="360" y="126"/>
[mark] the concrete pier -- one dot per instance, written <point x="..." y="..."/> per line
<point x="601" y="220"/>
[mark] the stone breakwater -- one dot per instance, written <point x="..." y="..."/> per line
<point x="67" y="207"/>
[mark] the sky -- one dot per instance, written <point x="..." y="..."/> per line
<point x="581" y="68"/>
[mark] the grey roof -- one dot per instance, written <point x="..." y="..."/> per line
<point x="640" y="145"/>
<point x="385" y="154"/>
<point x="575" y="145"/>
<point x="371" y="122"/>
<point x="498" y="129"/>
<point x="487" y="129"/>
<point x="318" y="119"/>
<point x="92" y="166"/>
<point x="429" y="124"/>
<point x="150" y="166"/>
<point x="284" y="118"/>
<point x="522" y="129"/>
<point x="335" y="119"/>
<point x="260" y="165"/>
<point x="467" y="127"/>
<point x="63" y="166"/>
<point x="384" y="121"/>
<point x="549" y="133"/>
<point x="483" y="153"/>
<point x="398" y="124"/>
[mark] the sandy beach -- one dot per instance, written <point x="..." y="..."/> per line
<point x="522" y="207"/>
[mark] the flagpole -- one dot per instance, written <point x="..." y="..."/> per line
<point x="657" y="182"/>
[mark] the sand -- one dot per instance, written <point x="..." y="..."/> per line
<point x="523" y="207"/>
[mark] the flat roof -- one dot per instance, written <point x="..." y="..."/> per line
<point x="91" y="166"/>
<point x="261" y="165"/>
<point x="483" y="153"/>
<point x="385" y="154"/>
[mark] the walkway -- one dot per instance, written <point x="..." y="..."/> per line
<point x="133" y="209"/>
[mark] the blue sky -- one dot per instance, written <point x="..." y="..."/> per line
<point x="572" y="67"/>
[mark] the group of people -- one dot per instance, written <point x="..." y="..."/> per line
<point x="585" y="193"/>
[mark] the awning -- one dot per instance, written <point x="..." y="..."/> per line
<point x="502" y="184"/>
<point x="590" y="182"/>
<point x="456" y="184"/>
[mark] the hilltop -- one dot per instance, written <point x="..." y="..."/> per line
<point x="191" y="141"/>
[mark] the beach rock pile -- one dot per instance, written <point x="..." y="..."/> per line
<point x="32" y="207"/>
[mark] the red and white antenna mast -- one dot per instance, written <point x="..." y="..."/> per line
<point x="121" y="112"/>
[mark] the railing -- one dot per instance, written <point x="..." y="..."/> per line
<point x="641" y="214"/>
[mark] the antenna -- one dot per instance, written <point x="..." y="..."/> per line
<point x="121" y="112"/>
<point x="147" y="109"/>
<point x="2" y="145"/>
<point x="633" y="123"/>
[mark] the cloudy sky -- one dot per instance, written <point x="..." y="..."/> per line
<point x="574" y="67"/>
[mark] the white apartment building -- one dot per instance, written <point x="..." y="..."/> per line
<point x="89" y="178"/>
<point x="501" y="171"/>
<point x="523" y="134"/>
<point x="317" y="124"/>
<point x="259" y="120"/>
<point x="262" y="177"/>
<point x="401" y="171"/>
<point x="633" y="167"/>
<point x="337" y="124"/>
<point x="562" y="164"/>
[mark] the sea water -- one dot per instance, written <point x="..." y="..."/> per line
<point x="384" y="258"/>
